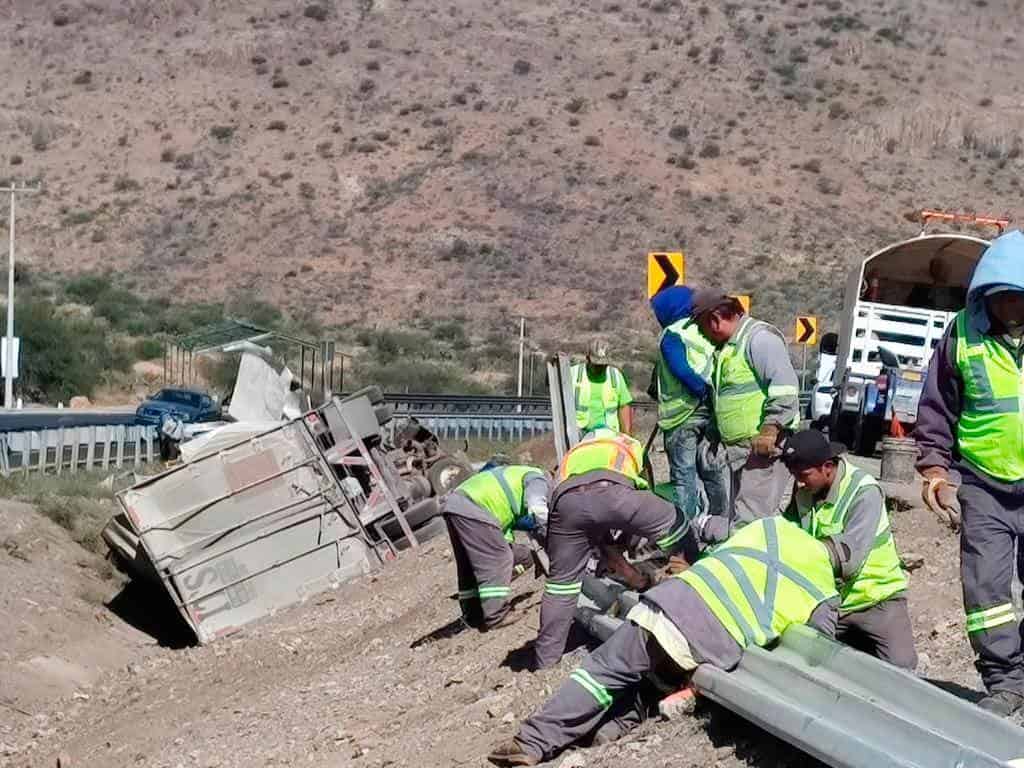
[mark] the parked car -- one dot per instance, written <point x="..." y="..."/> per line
<point x="189" y="406"/>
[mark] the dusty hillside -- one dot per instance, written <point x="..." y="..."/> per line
<point x="475" y="159"/>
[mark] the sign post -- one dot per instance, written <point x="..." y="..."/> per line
<point x="664" y="269"/>
<point x="806" y="335"/>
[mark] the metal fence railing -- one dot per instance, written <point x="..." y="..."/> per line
<point x="73" y="449"/>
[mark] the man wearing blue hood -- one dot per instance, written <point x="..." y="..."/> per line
<point x="970" y="432"/>
<point x="682" y="379"/>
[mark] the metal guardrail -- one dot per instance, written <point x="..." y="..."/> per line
<point x="843" y="707"/>
<point x="71" y="449"/>
<point x="494" y="428"/>
<point x="491" y="418"/>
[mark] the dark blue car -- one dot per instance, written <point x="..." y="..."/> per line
<point x="187" y="405"/>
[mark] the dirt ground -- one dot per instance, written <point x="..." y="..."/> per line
<point x="373" y="674"/>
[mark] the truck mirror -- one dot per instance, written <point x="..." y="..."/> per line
<point x="889" y="359"/>
<point x="829" y="343"/>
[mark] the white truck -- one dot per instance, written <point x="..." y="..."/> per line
<point x="897" y="304"/>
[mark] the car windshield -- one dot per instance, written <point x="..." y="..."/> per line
<point x="178" y="396"/>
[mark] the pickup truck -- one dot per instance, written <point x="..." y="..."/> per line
<point x="897" y="304"/>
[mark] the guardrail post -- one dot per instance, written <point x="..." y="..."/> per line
<point x="148" y="436"/>
<point x="120" y="436"/>
<point x="73" y="467"/>
<point x="90" y="451"/>
<point x="60" y="450"/>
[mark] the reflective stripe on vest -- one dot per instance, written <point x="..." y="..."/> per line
<point x="501" y="492"/>
<point x="881" y="575"/>
<point x="609" y="396"/>
<point x="990" y="430"/>
<point x="605" y="450"/>
<point x="675" y="402"/>
<point x="768" y="575"/>
<point x="739" y="397"/>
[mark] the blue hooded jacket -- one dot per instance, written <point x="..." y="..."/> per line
<point x="670" y="306"/>
<point x="1002" y="263"/>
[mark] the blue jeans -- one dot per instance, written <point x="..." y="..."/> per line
<point x="695" y="466"/>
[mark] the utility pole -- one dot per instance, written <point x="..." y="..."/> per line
<point x="522" y="344"/>
<point x="14" y="189"/>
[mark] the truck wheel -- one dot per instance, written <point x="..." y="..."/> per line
<point x="417" y="515"/>
<point x="870" y="433"/>
<point x="446" y="474"/>
<point x="842" y="426"/>
<point x="424" y="534"/>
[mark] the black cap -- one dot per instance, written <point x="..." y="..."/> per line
<point x="707" y="299"/>
<point x="810" y="448"/>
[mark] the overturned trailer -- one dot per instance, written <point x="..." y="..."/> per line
<point x="239" y="531"/>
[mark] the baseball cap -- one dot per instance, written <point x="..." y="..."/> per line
<point x="707" y="299"/>
<point x="810" y="448"/>
<point x="597" y="352"/>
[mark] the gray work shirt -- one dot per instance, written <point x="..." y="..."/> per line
<point x="769" y="357"/>
<point x="849" y="548"/>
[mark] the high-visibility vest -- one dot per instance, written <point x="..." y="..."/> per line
<point x="609" y="450"/>
<point x="501" y="491"/>
<point x="583" y="390"/>
<point x="990" y="431"/>
<point x="675" y="402"/>
<point x="766" y="576"/>
<point x="739" y="396"/>
<point x="881" y="575"/>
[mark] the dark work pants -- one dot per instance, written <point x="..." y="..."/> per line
<point x="883" y="630"/>
<point x="580" y="520"/>
<point x="990" y="537"/>
<point x="483" y="561"/>
<point x="594" y="692"/>
<point x="696" y="464"/>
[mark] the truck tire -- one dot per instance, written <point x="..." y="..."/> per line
<point x="417" y="515"/>
<point x="446" y="474"/>
<point x="424" y="534"/>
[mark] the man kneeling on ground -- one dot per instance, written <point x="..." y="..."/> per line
<point x="844" y="507"/>
<point x="704" y="615"/>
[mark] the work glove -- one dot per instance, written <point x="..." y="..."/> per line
<point x="940" y="496"/>
<point x="766" y="442"/>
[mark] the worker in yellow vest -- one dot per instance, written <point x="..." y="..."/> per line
<point x="481" y="514"/>
<point x="844" y="508"/>
<point x="746" y="592"/>
<point x="600" y="488"/>
<point x="970" y="434"/>
<point x="756" y="405"/>
<point x="685" y="366"/>
<point x="603" y="399"/>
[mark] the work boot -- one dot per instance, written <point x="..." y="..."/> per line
<point x="1002" y="703"/>
<point x="609" y="732"/>
<point x="510" y="753"/>
<point x="507" y="620"/>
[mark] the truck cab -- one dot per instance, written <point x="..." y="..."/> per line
<point x="897" y="305"/>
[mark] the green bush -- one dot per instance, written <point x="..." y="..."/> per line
<point x="88" y="288"/>
<point x="62" y="357"/>
<point x="418" y="376"/>
<point x="148" y="349"/>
